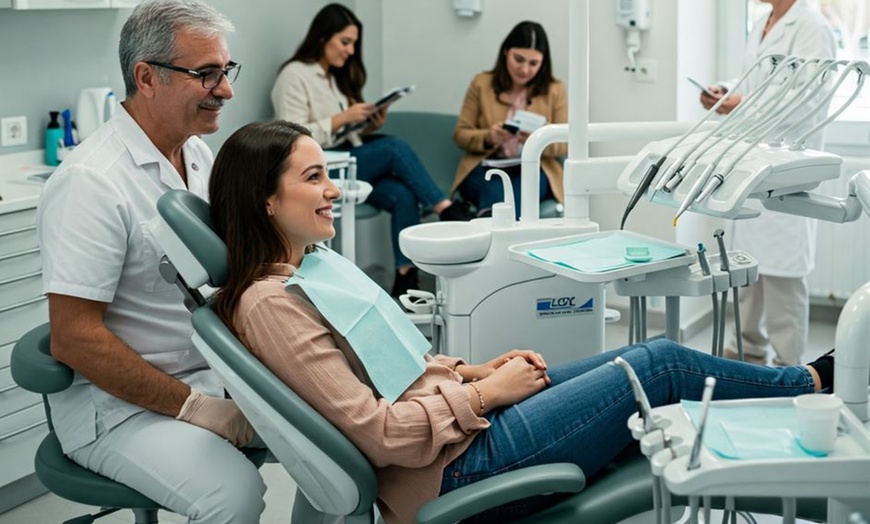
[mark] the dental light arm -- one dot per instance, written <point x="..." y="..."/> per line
<point x="853" y="329"/>
<point x="827" y="208"/>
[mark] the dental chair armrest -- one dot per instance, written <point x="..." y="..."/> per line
<point x="33" y="367"/>
<point x="501" y="489"/>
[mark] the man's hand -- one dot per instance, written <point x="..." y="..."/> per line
<point x="218" y="415"/>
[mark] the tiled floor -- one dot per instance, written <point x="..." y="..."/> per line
<point x="50" y="509"/>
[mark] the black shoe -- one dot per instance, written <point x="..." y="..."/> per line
<point x="403" y="283"/>
<point x="824" y="366"/>
<point x="457" y="211"/>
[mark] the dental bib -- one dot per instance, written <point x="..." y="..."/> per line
<point x="389" y="346"/>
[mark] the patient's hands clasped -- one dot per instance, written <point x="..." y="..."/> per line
<point x="218" y="415"/>
<point x="508" y="379"/>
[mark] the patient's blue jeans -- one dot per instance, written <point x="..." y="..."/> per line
<point x="581" y="417"/>
<point x="400" y="184"/>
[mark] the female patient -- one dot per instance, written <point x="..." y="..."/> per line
<point x="522" y="80"/>
<point x="320" y="86"/>
<point x="457" y="422"/>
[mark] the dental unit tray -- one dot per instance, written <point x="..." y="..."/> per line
<point x="619" y="246"/>
<point x="764" y="172"/>
<point x="842" y="474"/>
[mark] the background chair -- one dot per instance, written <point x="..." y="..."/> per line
<point x="431" y="137"/>
<point x="35" y="370"/>
<point x="332" y="476"/>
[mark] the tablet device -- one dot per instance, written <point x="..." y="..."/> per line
<point x="700" y="86"/>
<point x="383" y="102"/>
<point x="392" y="95"/>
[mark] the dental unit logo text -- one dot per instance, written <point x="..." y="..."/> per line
<point x="561" y="306"/>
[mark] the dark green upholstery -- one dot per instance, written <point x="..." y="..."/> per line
<point x="431" y="136"/>
<point x="35" y="370"/>
<point x="288" y="404"/>
<point x="65" y="478"/>
<point x="195" y="211"/>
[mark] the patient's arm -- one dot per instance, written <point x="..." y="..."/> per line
<point x="80" y="339"/>
<point x="290" y="337"/>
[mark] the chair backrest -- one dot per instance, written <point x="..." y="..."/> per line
<point x="430" y="135"/>
<point x="331" y="472"/>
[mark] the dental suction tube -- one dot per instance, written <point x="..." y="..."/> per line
<point x="643" y="405"/>
<point x="689" y="158"/>
<point x="706" y="397"/>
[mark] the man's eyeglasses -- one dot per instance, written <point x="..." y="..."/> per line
<point x="211" y="78"/>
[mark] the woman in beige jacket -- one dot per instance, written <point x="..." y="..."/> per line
<point x="522" y="80"/>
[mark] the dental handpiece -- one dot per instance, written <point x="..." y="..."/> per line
<point x="643" y="405"/>
<point x="719" y="234"/>
<point x="641" y="189"/>
<point x="702" y="259"/>
<point x="693" y="192"/>
<point x="695" y="457"/>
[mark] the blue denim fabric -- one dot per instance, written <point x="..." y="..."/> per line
<point x="400" y="184"/>
<point x="483" y="194"/>
<point x="581" y="417"/>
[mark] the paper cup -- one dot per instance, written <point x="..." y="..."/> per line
<point x="817" y="421"/>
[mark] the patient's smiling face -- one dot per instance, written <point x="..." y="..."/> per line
<point x="302" y="207"/>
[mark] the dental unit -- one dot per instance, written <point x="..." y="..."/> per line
<point x="494" y="290"/>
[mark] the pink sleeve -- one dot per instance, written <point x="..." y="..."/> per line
<point x="290" y="337"/>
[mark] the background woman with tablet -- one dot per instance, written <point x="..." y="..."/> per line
<point x="320" y="87"/>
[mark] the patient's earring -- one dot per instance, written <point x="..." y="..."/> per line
<point x="269" y="211"/>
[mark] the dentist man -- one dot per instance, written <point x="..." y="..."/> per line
<point x="144" y="409"/>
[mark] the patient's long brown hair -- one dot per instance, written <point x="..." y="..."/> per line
<point x="245" y="174"/>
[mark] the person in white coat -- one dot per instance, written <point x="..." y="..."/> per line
<point x="775" y="310"/>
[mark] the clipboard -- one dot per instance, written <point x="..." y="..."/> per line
<point x="382" y="103"/>
<point x="701" y="87"/>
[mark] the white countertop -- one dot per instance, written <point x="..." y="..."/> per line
<point x="20" y="184"/>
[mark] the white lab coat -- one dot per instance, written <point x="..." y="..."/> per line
<point x="785" y="245"/>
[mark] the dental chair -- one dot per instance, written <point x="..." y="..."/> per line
<point x="332" y="475"/>
<point x="35" y="370"/>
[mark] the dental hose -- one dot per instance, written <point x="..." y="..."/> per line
<point x="722" y="311"/>
<point x="737" y="328"/>
<point x="714" y="348"/>
<point x="694" y="503"/>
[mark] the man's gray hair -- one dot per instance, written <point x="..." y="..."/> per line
<point x="149" y="34"/>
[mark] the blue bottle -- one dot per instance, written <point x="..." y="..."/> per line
<point x="53" y="139"/>
<point x="68" y="139"/>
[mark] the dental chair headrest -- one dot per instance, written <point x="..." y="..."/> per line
<point x="186" y="235"/>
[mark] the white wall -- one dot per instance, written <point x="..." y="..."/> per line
<point x="429" y="46"/>
<point x="46" y="57"/>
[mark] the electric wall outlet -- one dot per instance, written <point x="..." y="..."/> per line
<point x="13" y="131"/>
<point x="646" y="70"/>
